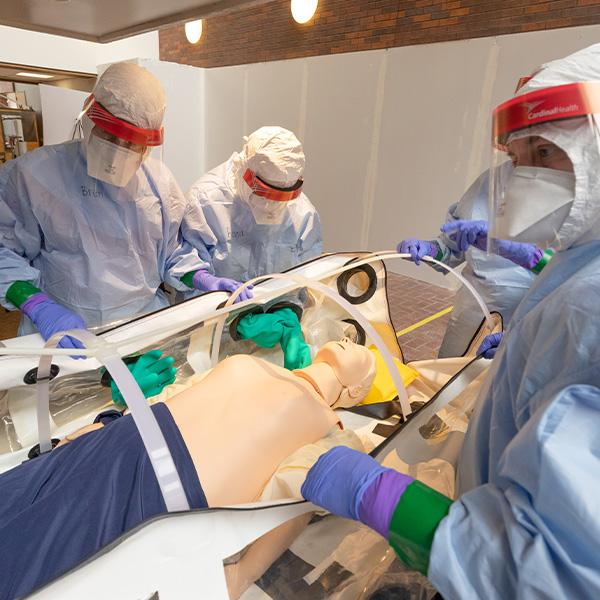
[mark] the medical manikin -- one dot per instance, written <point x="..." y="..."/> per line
<point x="89" y="229"/>
<point x="249" y="216"/>
<point x="526" y="519"/>
<point x="227" y="433"/>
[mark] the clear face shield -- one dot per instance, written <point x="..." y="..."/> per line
<point x="267" y="202"/>
<point x="115" y="149"/>
<point x="532" y="179"/>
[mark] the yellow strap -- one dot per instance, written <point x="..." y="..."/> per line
<point x="424" y="321"/>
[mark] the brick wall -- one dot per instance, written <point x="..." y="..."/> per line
<point x="268" y="32"/>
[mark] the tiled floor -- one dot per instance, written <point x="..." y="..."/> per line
<point x="411" y="301"/>
<point x="9" y="323"/>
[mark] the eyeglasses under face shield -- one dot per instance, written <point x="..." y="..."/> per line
<point x="271" y="192"/>
<point x="532" y="185"/>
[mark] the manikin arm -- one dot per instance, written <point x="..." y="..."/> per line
<point x="262" y="554"/>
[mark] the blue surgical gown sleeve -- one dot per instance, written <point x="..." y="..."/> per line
<point x="537" y="535"/>
<point x="310" y="241"/>
<point x="196" y="230"/>
<point x="20" y="235"/>
<point x="180" y="257"/>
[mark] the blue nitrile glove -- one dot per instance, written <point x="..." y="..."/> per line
<point x="205" y="282"/>
<point x="474" y="233"/>
<point x="341" y="480"/>
<point x="279" y="327"/>
<point x="417" y="249"/>
<point x="490" y="344"/>
<point x="467" y="233"/>
<point x="150" y="373"/>
<point x="50" y="317"/>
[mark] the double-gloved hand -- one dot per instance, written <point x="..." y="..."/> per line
<point x="151" y="372"/>
<point x="279" y="327"/>
<point x="50" y="317"/>
<point x="474" y="233"/>
<point x="353" y="485"/>
<point x="490" y="344"/>
<point x="205" y="282"/>
<point x="417" y="249"/>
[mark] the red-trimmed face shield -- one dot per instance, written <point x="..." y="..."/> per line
<point x="270" y="192"/>
<point x="532" y="180"/>
<point x="121" y="129"/>
<point x="549" y="104"/>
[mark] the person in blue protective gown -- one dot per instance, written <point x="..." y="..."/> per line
<point x="89" y="229"/>
<point x="526" y="519"/>
<point x="501" y="281"/>
<point x="249" y="216"/>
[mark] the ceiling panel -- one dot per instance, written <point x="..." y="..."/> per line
<point x="109" y="20"/>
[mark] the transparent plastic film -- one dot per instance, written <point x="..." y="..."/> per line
<point x="375" y="337"/>
<point x="152" y="437"/>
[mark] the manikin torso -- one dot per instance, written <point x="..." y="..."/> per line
<point x="240" y="422"/>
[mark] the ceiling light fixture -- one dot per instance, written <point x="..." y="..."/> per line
<point x="303" y="10"/>
<point x="36" y="75"/>
<point x="193" y="31"/>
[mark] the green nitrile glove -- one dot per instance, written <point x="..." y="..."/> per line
<point x="296" y="352"/>
<point x="150" y="373"/>
<point x="279" y="327"/>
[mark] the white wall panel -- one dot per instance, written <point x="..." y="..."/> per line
<point x="224" y="113"/>
<point x="183" y="149"/>
<point x="340" y="111"/>
<point x="393" y="137"/>
<point x="60" y="109"/>
<point x="432" y="98"/>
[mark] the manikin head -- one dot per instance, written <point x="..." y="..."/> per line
<point x="267" y="173"/>
<point x="342" y="372"/>
<point x="551" y="132"/>
<point x="122" y="120"/>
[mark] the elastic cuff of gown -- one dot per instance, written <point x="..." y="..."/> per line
<point x="20" y="291"/>
<point x="439" y="254"/>
<point x="546" y="256"/>
<point x="414" y="522"/>
<point x="188" y="279"/>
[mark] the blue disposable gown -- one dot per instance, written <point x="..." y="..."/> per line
<point x="96" y="249"/>
<point x="500" y="282"/>
<point x="527" y="522"/>
<point x="223" y="230"/>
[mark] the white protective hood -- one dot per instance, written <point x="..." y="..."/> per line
<point x="272" y="153"/>
<point x="579" y="138"/>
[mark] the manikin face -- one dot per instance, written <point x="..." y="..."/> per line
<point x="350" y="362"/>
<point x="535" y="151"/>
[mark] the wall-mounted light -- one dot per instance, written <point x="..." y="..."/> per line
<point x="193" y="31"/>
<point x="36" y="75"/>
<point x="303" y="10"/>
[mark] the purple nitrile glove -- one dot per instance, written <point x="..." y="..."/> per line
<point x="524" y="255"/>
<point x="490" y="344"/>
<point x="206" y="282"/>
<point x="474" y="233"/>
<point x="353" y="485"/>
<point x="417" y="249"/>
<point x="467" y="233"/>
<point x="50" y="317"/>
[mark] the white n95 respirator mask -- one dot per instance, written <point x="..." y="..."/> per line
<point x="111" y="163"/>
<point x="535" y="204"/>
<point x="265" y="211"/>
